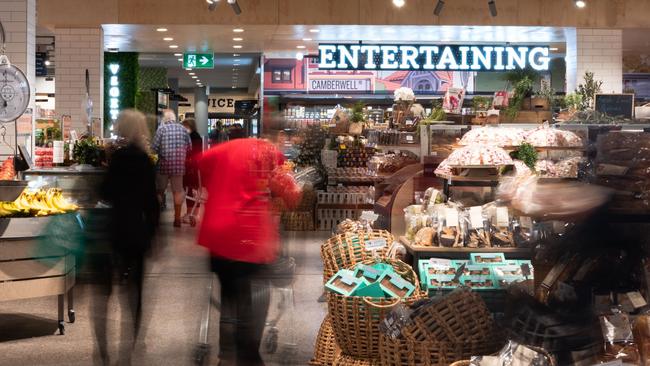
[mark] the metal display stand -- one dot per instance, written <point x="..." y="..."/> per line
<point x="28" y="270"/>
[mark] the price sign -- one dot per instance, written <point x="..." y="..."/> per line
<point x="502" y="216"/>
<point x="452" y="217"/>
<point x="476" y="217"/>
<point x="375" y="244"/>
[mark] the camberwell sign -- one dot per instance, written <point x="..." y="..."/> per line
<point x="430" y="57"/>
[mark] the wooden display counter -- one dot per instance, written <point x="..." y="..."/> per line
<point x="29" y="270"/>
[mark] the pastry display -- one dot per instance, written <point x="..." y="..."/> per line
<point x="444" y="169"/>
<point x="479" y="155"/>
<point x="546" y="136"/>
<point x="497" y="136"/>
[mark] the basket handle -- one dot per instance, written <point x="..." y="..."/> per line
<point x="370" y="303"/>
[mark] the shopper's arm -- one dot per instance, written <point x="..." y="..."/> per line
<point x="157" y="143"/>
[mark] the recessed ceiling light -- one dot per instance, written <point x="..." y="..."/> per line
<point x="235" y="64"/>
<point x="198" y="80"/>
<point x="314" y="30"/>
<point x="194" y="77"/>
<point x="168" y="39"/>
<point x="191" y="73"/>
<point x="236" y="55"/>
<point x="300" y="56"/>
<point x="307" y="39"/>
<point x="236" y="60"/>
<point x="398" y="3"/>
<point x="238" y="30"/>
<point x="173" y="46"/>
<point x="188" y="69"/>
<point x="234" y="87"/>
<point x="300" y="47"/>
<point x="178" y="54"/>
<point x="161" y="29"/>
<point x="237" y="39"/>
<point x="180" y="59"/>
<point x="237" y="46"/>
<point x="581" y="3"/>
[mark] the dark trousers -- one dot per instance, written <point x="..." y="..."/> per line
<point x="247" y="304"/>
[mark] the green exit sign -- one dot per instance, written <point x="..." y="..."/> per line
<point x="198" y="60"/>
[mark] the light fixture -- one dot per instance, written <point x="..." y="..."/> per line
<point x="235" y="55"/>
<point x="195" y="77"/>
<point x="47" y="63"/>
<point x="236" y="60"/>
<point x="235" y="6"/>
<point x="307" y="39"/>
<point x="300" y="56"/>
<point x="191" y="74"/>
<point x="438" y="9"/>
<point x="168" y="39"/>
<point x="553" y="49"/>
<point x="238" y="30"/>
<point x="237" y="39"/>
<point x="173" y="46"/>
<point x="234" y="87"/>
<point x="314" y="30"/>
<point x="300" y="47"/>
<point x="212" y="4"/>
<point x="399" y="3"/>
<point x="198" y="80"/>
<point x="161" y="29"/>
<point x="235" y="64"/>
<point x="113" y="50"/>
<point x="580" y="3"/>
<point x="180" y="59"/>
<point x="178" y="54"/>
<point x="493" y="8"/>
<point x="237" y="46"/>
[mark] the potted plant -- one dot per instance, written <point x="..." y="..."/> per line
<point x="357" y="119"/>
<point x="544" y="99"/>
<point x="87" y="152"/>
<point x="522" y="92"/>
<point x="588" y="90"/>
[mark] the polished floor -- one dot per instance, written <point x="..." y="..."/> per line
<point x="175" y="299"/>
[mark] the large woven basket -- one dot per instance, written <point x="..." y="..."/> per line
<point x="460" y="316"/>
<point x="430" y="353"/>
<point x="343" y="360"/>
<point x="356" y="319"/>
<point x="347" y="249"/>
<point x="326" y="349"/>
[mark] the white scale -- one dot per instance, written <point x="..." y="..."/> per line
<point x="14" y="87"/>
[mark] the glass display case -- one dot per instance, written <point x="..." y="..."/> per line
<point x="81" y="186"/>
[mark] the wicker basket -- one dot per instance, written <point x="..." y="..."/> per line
<point x="343" y="360"/>
<point x="430" y="353"/>
<point x="460" y="316"/>
<point x="356" y="319"/>
<point x="347" y="249"/>
<point x="326" y="349"/>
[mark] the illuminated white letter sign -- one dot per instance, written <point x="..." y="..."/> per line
<point x="429" y="57"/>
<point x="114" y="91"/>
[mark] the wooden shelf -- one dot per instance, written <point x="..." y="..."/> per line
<point x="343" y="206"/>
<point x="435" y="251"/>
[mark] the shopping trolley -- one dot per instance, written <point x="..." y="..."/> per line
<point x="199" y="196"/>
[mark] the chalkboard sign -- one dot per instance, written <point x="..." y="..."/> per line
<point x="615" y="105"/>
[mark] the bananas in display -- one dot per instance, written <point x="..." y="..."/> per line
<point x="37" y="203"/>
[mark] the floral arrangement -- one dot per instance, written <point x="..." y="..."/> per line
<point x="404" y="94"/>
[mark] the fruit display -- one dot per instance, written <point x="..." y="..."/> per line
<point x="37" y="203"/>
<point x="7" y="171"/>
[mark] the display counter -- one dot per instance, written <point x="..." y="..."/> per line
<point x="81" y="186"/>
<point x="29" y="270"/>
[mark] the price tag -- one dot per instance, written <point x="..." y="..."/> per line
<point x="526" y="222"/>
<point x="409" y="122"/>
<point x="636" y="299"/>
<point x="375" y="244"/>
<point x="476" y="217"/>
<point x="502" y="216"/>
<point x="409" y="138"/>
<point x="451" y="215"/>
<point x="368" y="216"/>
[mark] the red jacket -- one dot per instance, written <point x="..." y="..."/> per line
<point x="240" y="177"/>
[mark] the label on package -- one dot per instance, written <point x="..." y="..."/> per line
<point x="368" y="216"/>
<point x="451" y="216"/>
<point x="409" y="138"/>
<point x="636" y="299"/>
<point x="502" y="216"/>
<point x="440" y="263"/>
<point x="526" y="222"/>
<point x="476" y="217"/>
<point x="375" y="244"/>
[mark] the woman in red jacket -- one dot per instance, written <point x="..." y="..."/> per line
<point x="240" y="227"/>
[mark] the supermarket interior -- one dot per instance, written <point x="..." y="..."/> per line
<point x="324" y="182"/>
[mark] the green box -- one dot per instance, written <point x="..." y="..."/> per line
<point x="369" y="273"/>
<point x="479" y="283"/>
<point x="493" y="259"/>
<point x="392" y="282"/>
<point x="344" y="283"/>
<point x="371" y="290"/>
<point x="441" y="281"/>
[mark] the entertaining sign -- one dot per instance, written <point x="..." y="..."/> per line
<point x="431" y="57"/>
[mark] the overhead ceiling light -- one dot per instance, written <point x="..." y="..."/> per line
<point x="47" y="63"/>
<point x="191" y="73"/>
<point x="235" y="6"/>
<point x="438" y="9"/>
<point x="307" y="39"/>
<point x="161" y="29"/>
<point x="580" y="3"/>
<point x="300" y="47"/>
<point x="195" y="77"/>
<point x="399" y="3"/>
<point x="180" y="59"/>
<point x="493" y="8"/>
<point x="237" y="46"/>
<point x="235" y="55"/>
<point x="236" y="64"/>
<point x="234" y="87"/>
<point x="168" y="39"/>
<point x="299" y="56"/>
<point x="314" y="30"/>
<point x="173" y="46"/>
<point x="178" y="54"/>
<point x="238" y="30"/>
<point x="198" y="80"/>
<point x="188" y="69"/>
<point x="236" y="60"/>
<point x="237" y="39"/>
<point x="553" y="49"/>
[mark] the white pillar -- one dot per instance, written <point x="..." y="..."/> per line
<point x="201" y="111"/>
<point x="78" y="49"/>
<point x="595" y="50"/>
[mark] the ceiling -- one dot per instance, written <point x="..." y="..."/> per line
<point x="229" y="70"/>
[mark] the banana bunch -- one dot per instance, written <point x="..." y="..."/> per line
<point x="37" y="203"/>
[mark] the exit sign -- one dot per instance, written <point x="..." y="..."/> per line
<point x="198" y="60"/>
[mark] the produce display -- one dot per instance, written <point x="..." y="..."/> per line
<point x="7" y="170"/>
<point x="37" y="203"/>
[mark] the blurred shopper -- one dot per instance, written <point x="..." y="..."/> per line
<point x="218" y="134"/>
<point x="240" y="228"/>
<point x="130" y="190"/>
<point x="191" y="178"/>
<point x="172" y="144"/>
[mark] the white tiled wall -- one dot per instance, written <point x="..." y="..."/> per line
<point x="596" y="50"/>
<point x="78" y="49"/>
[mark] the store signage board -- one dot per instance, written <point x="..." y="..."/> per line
<point x="615" y="105"/>
<point x="330" y="85"/>
<point x="432" y="57"/>
<point x="198" y="60"/>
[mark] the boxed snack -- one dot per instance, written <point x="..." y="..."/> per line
<point x="369" y="273"/>
<point x="371" y="290"/>
<point x="477" y="270"/>
<point x="443" y="282"/>
<point x="394" y="285"/>
<point x="345" y="283"/>
<point x="479" y="282"/>
<point x="488" y="258"/>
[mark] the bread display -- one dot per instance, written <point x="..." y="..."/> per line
<point x="546" y="136"/>
<point x="479" y="155"/>
<point x="497" y="136"/>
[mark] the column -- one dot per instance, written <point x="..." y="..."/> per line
<point x="173" y="84"/>
<point x="78" y="49"/>
<point x="201" y="110"/>
<point x="19" y="21"/>
<point x="595" y="50"/>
